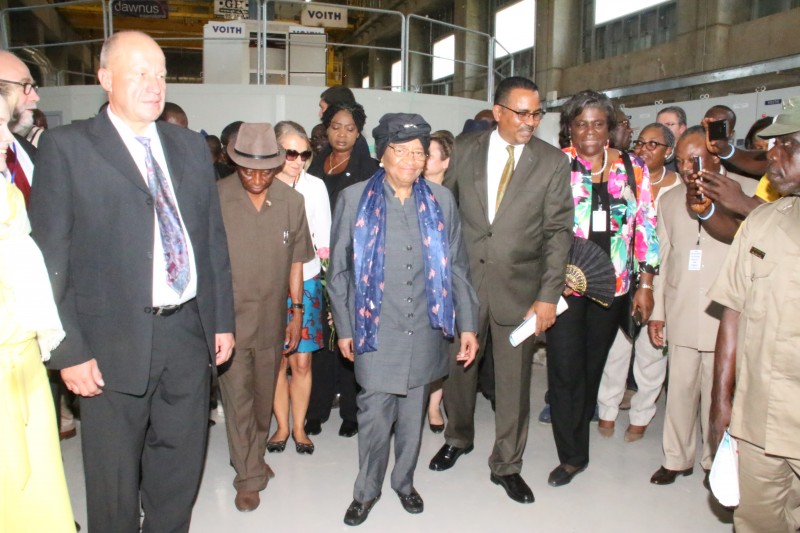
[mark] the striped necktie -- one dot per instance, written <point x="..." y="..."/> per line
<point x="508" y="171"/>
<point x="17" y="173"/>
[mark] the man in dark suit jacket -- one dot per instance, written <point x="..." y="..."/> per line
<point x="143" y="288"/>
<point x="517" y="217"/>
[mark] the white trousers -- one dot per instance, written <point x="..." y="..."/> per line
<point x="649" y="369"/>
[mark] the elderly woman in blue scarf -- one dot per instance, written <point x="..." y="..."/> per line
<point x="400" y="292"/>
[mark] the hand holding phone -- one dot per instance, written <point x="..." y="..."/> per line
<point x="637" y="317"/>
<point x="697" y="166"/>
<point x="718" y="130"/>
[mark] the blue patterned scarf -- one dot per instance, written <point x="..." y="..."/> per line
<point x="369" y="248"/>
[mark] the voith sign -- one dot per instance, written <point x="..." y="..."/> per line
<point x="328" y="17"/>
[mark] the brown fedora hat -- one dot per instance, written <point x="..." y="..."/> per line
<point x="256" y="147"/>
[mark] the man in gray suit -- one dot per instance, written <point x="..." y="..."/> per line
<point x="127" y="216"/>
<point x="516" y="209"/>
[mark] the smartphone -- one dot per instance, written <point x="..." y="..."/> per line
<point x="697" y="166"/>
<point x="718" y="130"/>
<point x="637" y="317"/>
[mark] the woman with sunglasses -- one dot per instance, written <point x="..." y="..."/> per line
<point x="292" y="138"/>
<point x="655" y="147"/>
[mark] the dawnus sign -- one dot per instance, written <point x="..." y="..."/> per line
<point x="153" y="9"/>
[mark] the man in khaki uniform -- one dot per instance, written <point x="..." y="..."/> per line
<point x="690" y="262"/>
<point x="759" y="337"/>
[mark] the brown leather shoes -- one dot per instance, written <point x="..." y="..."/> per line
<point x="665" y="476"/>
<point x="634" y="433"/>
<point x="247" y="500"/>
<point x="606" y="428"/>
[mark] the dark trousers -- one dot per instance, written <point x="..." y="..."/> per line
<point x="512" y="375"/>
<point x="151" y="445"/>
<point x="577" y="349"/>
<point x="330" y="374"/>
<point x="380" y="414"/>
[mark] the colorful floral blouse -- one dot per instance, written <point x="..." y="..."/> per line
<point x="623" y="204"/>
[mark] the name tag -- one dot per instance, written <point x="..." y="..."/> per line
<point x="756" y="252"/>
<point x="695" y="260"/>
<point x="599" y="220"/>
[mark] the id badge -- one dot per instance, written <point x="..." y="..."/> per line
<point x="695" y="260"/>
<point x="599" y="220"/>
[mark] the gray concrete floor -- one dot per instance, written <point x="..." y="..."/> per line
<point x="311" y="493"/>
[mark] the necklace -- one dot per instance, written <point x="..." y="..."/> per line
<point x="663" y="173"/>
<point x="331" y="167"/>
<point x="605" y="162"/>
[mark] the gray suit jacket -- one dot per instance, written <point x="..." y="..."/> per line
<point x="92" y="217"/>
<point x="691" y="317"/>
<point x="410" y="353"/>
<point x="521" y="256"/>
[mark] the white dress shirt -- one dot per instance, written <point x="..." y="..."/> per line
<point x="318" y="214"/>
<point x="495" y="163"/>
<point x="163" y="294"/>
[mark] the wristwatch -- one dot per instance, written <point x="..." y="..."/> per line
<point x="298" y="305"/>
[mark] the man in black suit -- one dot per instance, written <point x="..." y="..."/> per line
<point x="126" y="213"/>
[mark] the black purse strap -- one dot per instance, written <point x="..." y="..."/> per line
<point x="626" y="160"/>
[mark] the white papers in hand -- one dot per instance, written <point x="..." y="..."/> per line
<point x="528" y="327"/>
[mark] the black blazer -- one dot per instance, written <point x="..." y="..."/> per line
<point x="92" y="217"/>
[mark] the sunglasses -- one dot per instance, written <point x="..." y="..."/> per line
<point x="291" y="155"/>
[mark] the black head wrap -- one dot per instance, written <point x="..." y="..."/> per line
<point x="400" y="128"/>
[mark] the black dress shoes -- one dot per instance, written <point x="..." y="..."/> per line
<point x="413" y="502"/>
<point x="358" y="512"/>
<point x="515" y="487"/>
<point x="563" y="474"/>
<point x="276" y="446"/>
<point x="303" y="447"/>
<point x="665" y="476"/>
<point x="447" y="456"/>
<point x="313" y="426"/>
<point x="348" y="429"/>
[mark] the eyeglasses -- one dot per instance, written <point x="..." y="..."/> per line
<point x="525" y="115"/>
<point x="291" y="155"/>
<point x="26" y="87"/>
<point x="416" y="155"/>
<point x="651" y="145"/>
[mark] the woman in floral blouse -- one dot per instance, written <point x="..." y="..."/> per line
<point x="610" y="214"/>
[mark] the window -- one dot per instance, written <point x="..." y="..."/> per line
<point x="605" y="10"/>
<point x="365" y="82"/>
<point x="764" y="8"/>
<point x="444" y="52"/>
<point x="514" y="28"/>
<point x="621" y="28"/>
<point x="397" y="69"/>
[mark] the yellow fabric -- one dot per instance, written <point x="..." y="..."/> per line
<point x="33" y="490"/>
<point x="765" y="192"/>
<point x="508" y="171"/>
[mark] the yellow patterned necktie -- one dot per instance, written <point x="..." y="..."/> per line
<point x="508" y="171"/>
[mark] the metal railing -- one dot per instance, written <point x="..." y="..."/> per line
<point x="262" y="40"/>
<point x="490" y="44"/>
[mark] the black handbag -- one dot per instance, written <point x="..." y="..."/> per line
<point x="626" y="321"/>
